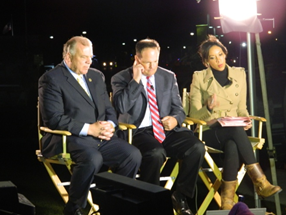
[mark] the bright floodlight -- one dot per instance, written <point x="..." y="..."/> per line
<point x="239" y="15"/>
<point x="238" y="9"/>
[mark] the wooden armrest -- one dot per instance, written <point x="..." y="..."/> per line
<point x="197" y="121"/>
<point x="62" y="132"/>
<point x="122" y="127"/>
<point x="258" y="118"/>
<point x="188" y="121"/>
<point x="130" y="126"/>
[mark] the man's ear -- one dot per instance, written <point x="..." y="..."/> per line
<point x="136" y="58"/>
<point x="68" y="57"/>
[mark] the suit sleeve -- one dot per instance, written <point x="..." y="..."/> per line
<point x="52" y="107"/>
<point x="177" y="110"/>
<point x="126" y="91"/>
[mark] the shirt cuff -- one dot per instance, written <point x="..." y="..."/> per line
<point x="84" y="130"/>
<point x="112" y="123"/>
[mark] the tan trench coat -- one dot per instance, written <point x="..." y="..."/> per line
<point x="231" y="98"/>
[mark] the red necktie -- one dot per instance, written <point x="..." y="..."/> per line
<point x="158" y="129"/>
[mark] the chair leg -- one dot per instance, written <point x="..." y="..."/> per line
<point x="93" y="207"/>
<point x="61" y="189"/>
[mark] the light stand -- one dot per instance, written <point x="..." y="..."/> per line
<point x="271" y="149"/>
<point x="230" y="11"/>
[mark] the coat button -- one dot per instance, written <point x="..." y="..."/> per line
<point x="236" y="94"/>
<point x="236" y="85"/>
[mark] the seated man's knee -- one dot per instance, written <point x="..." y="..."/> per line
<point x="135" y="155"/>
<point x="198" y="148"/>
<point x="90" y="157"/>
<point x="157" y="154"/>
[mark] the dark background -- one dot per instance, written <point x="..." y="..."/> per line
<point x="26" y="52"/>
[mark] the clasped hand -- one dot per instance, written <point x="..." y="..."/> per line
<point x="101" y="129"/>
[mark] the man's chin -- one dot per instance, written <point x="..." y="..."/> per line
<point x="84" y="72"/>
<point x="149" y="73"/>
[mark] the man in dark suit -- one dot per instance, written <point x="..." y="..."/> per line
<point x="133" y="89"/>
<point x="87" y="113"/>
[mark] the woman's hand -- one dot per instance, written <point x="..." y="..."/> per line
<point x="249" y="125"/>
<point x="212" y="102"/>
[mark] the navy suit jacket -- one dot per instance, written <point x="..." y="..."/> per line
<point x="64" y="105"/>
<point x="130" y="99"/>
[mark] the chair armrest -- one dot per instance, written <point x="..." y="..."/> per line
<point x="127" y="126"/>
<point x="64" y="134"/>
<point x="258" y="118"/>
<point x="197" y="121"/>
<point x="61" y="132"/>
<point x="188" y="121"/>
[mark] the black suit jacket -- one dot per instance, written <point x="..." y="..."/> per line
<point x="64" y="105"/>
<point x="130" y="99"/>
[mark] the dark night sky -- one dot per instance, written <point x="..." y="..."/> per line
<point x="110" y="22"/>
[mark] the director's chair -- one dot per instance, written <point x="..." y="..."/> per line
<point x="60" y="159"/>
<point x="213" y="186"/>
<point x="170" y="172"/>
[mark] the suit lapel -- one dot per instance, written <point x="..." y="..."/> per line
<point x="91" y="86"/>
<point x="71" y="80"/>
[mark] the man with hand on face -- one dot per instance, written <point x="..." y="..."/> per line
<point x="147" y="96"/>
<point x="73" y="97"/>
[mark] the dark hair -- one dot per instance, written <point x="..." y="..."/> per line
<point x="69" y="46"/>
<point x="207" y="44"/>
<point x="146" y="43"/>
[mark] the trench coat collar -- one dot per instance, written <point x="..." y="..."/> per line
<point x="210" y="75"/>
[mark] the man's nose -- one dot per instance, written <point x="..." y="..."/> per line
<point x="89" y="60"/>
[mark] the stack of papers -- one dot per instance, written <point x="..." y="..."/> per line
<point x="229" y="121"/>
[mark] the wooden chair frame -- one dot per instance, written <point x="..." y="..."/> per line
<point x="61" y="159"/>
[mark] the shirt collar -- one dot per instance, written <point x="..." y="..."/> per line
<point x="72" y="72"/>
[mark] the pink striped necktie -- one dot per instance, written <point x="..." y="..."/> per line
<point x="158" y="129"/>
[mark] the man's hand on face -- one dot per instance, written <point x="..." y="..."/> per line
<point x="101" y="129"/>
<point x="138" y="69"/>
